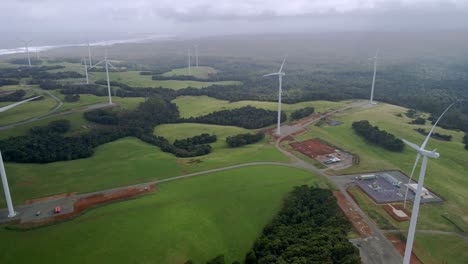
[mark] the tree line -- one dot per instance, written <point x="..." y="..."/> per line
<point x="13" y="97"/>
<point x="301" y="113"/>
<point x="244" y="139"/>
<point x="374" y="135"/>
<point x="247" y="117"/>
<point x="310" y="228"/>
<point x="435" y="135"/>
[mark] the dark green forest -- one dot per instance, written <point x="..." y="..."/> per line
<point x="374" y="135"/>
<point x="310" y="228"/>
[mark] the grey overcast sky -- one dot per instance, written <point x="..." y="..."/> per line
<point x="210" y="17"/>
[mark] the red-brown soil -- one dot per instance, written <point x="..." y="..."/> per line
<point x="52" y="197"/>
<point x="312" y="148"/>
<point x="356" y="220"/>
<point x="389" y="210"/>
<point x="400" y="246"/>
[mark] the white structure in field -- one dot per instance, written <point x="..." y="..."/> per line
<point x="417" y="199"/>
<point x="26" y="49"/>
<point x="391" y="179"/>
<point x="373" y="79"/>
<point x="106" y="65"/>
<point x="6" y="189"/>
<point x="425" y="194"/>
<point x="280" y="74"/>
<point x="3" y="109"/>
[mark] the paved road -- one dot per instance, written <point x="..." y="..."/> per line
<point x="374" y="249"/>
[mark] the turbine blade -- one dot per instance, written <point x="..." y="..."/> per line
<point x="412" y="145"/>
<point x="96" y="64"/>
<point x="414" y="166"/>
<point x="271" y="74"/>
<point x="423" y="146"/>
<point x="110" y="64"/>
<point x="282" y="64"/>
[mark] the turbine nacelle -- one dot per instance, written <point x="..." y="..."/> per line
<point x="422" y="151"/>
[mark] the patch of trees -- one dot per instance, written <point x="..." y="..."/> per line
<point x="204" y="138"/>
<point x="71" y="98"/>
<point x="418" y="121"/>
<point x="244" y="139"/>
<point x="8" y="82"/>
<point x="178" y="77"/>
<point x="301" y="113"/>
<point x="21" y="61"/>
<point x="61" y="60"/>
<point x="374" y="135"/>
<point x="95" y="89"/>
<point x="49" y="84"/>
<point x="465" y="140"/>
<point x="37" y="76"/>
<point x="102" y="116"/>
<point x="411" y="113"/>
<point x="57" y="126"/>
<point x="310" y="228"/>
<point x="13" y="97"/>
<point x="246" y="117"/>
<point x="25" y="72"/>
<point x="437" y="136"/>
<point x="48" y="144"/>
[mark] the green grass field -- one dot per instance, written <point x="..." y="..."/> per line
<point x="200" y="72"/>
<point x="203" y="105"/>
<point x="196" y="218"/>
<point x="26" y="111"/>
<point x="435" y="249"/>
<point x="123" y="162"/>
<point x="133" y="78"/>
<point x="444" y="176"/>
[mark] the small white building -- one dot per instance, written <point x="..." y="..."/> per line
<point x="425" y="194"/>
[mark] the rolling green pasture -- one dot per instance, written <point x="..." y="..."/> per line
<point x="200" y="72"/>
<point x="119" y="163"/>
<point x="434" y="249"/>
<point x="26" y="111"/>
<point x="446" y="176"/>
<point x="203" y="105"/>
<point x="76" y="120"/>
<point x="196" y="218"/>
<point x="133" y="78"/>
<point x="221" y="154"/>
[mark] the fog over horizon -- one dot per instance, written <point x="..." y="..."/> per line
<point x="52" y="22"/>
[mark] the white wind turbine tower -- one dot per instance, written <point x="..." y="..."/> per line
<point x="106" y="65"/>
<point x="6" y="188"/>
<point x="89" y="54"/>
<point x="196" y="55"/>
<point x="417" y="199"/>
<point x="189" y="64"/>
<point x="280" y="74"/>
<point x="86" y="69"/>
<point x="26" y="47"/>
<point x="373" y="79"/>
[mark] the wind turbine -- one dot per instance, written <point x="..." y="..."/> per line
<point x="6" y="188"/>
<point x="280" y="74"/>
<point x="89" y="54"/>
<point x="373" y="79"/>
<point x="189" y="64"/>
<point x="86" y="69"/>
<point x="106" y="64"/>
<point x="196" y="55"/>
<point x="26" y="47"/>
<point x="417" y="199"/>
